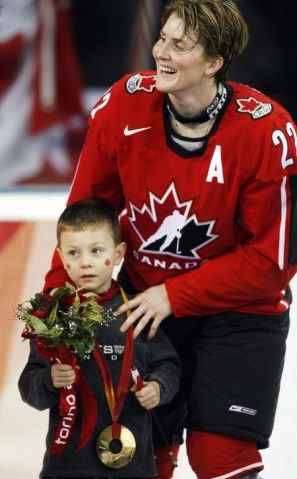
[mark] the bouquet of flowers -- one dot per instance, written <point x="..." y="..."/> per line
<point x="66" y="317"/>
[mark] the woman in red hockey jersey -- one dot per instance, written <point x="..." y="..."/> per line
<point x="203" y="172"/>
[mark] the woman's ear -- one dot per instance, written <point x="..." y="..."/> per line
<point x="215" y="64"/>
<point x="120" y="252"/>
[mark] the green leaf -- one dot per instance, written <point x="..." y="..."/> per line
<point x="81" y="349"/>
<point x="90" y="294"/>
<point x="90" y="343"/>
<point x="38" y="325"/>
<point x="53" y="316"/>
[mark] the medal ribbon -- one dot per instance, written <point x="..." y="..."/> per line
<point x="68" y="399"/>
<point x="88" y="400"/>
<point x="116" y="400"/>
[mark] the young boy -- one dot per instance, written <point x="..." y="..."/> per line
<point x="89" y="245"/>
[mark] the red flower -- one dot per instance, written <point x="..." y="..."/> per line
<point x="27" y="334"/>
<point x="39" y="313"/>
<point x="67" y="300"/>
<point x="82" y="297"/>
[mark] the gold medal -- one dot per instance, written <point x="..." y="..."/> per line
<point x="116" y="445"/>
<point x="116" y="453"/>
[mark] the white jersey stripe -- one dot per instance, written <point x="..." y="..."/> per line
<point x="282" y="230"/>
<point x="237" y="471"/>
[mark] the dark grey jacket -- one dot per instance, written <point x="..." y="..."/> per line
<point x="155" y="359"/>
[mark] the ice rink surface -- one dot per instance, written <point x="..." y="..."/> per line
<point x="24" y="259"/>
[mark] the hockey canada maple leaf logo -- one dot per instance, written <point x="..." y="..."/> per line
<point x="165" y="226"/>
<point x="255" y="108"/>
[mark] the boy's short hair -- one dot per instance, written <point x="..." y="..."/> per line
<point x="87" y="213"/>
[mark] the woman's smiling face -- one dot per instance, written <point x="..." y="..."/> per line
<point x="181" y="62"/>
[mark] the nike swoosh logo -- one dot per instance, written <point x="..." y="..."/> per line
<point x="128" y="132"/>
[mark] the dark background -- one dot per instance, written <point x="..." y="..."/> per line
<point x="104" y="34"/>
<point x="96" y="42"/>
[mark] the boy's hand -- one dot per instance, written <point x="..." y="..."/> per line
<point x="149" y="395"/>
<point x="63" y="375"/>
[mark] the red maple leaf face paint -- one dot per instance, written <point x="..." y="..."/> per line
<point x="107" y="262"/>
<point x="68" y="266"/>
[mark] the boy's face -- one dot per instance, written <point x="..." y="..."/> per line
<point x="89" y="257"/>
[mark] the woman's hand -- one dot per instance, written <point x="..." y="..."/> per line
<point x="63" y="375"/>
<point x="153" y="304"/>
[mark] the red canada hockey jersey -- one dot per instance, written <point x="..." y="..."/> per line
<point x="218" y="225"/>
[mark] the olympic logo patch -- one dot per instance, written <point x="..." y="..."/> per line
<point x="140" y="82"/>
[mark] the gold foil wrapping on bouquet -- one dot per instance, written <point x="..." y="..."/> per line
<point x="116" y="460"/>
